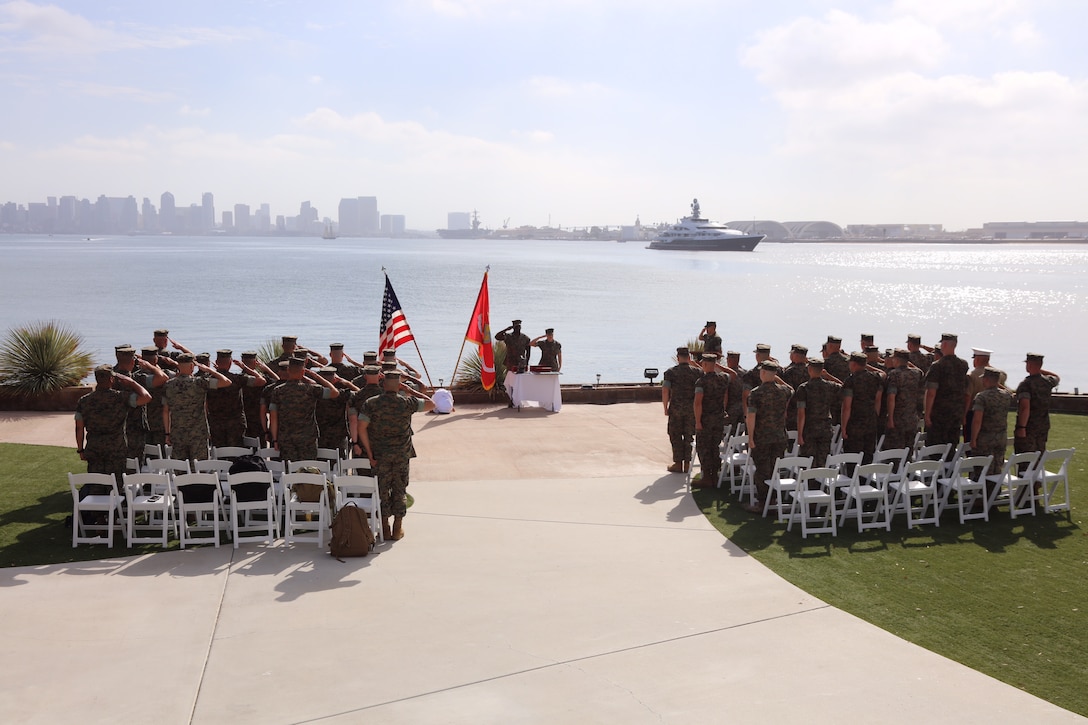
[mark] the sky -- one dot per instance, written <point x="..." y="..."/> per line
<point x="561" y="112"/>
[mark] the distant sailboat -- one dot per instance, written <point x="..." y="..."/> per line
<point x="328" y="233"/>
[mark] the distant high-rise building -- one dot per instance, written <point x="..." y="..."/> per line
<point x="262" y="221"/>
<point x="459" y="220"/>
<point x="392" y="225"/>
<point x="228" y="221"/>
<point x="167" y="214"/>
<point x="359" y="216"/>
<point x="307" y="221"/>
<point x="66" y="214"/>
<point x="241" y="218"/>
<point x="150" y="219"/>
<point x="207" y="212"/>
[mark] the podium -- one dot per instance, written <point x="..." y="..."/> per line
<point x="535" y="389"/>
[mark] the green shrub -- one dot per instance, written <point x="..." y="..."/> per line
<point x="41" y="358"/>
<point x="468" y="374"/>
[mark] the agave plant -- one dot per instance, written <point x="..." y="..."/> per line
<point x="468" y="374"/>
<point x="40" y="358"/>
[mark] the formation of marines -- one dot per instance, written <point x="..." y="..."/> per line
<point x="869" y="395"/>
<point x="295" y="403"/>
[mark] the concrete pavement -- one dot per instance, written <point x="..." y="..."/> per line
<point x="551" y="572"/>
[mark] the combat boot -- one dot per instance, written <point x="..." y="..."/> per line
<point x="398" y="528"/>
<point x="387" y="533"/>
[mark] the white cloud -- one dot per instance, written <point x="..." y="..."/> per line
<point x="537" y="137"/>
<point x="48" y="29"/>
<point x="188" y="110"/>
<point x="102" y="90"/>
<point x="961" y="13"/>
<point x="7" y="146"/>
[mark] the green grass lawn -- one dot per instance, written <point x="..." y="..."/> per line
<point x="1007" y="598"/>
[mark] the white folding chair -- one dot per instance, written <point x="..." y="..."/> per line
<point x="358" y="466"/>
<point x="268" y="453"/>
<point x="950" y="462"/>
<point x="1052" y="482"/>
<point x="793" y="448"/>
<point x="172" y="466"/>
<point x="251" y="442"/>
<point x="895" y="456"/>
<point x="783" y="481"/>
<point x="936" y="452"/>
<point x="836" y="440"/>
<point x="95" y="505"/>
<point x="252" y="493"/>
<point x="312" y="516"/>
<point x="152" y="450"/>
<point x="844" y="465"/>
<point x="968" y="482"/>
<point x="812" y="502"/>
<point x="220" y="468"/>
<point x="149" y="497"/>
<point x="199" y="508"/>
<point x="869" y="485"/>
<point x="221" y="452"/>
<point x="1014" y="485"/>
<point x="332" y="455"/>
<point x="915" y="494"/>
<point x="321" y="465"/>
<point x="737" y="464"/>
<point x="363" y="491"/>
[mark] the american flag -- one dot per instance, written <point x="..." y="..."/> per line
<point x="394" y="330"/>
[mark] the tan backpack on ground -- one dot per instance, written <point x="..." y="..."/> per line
<point x="351" y="534"/>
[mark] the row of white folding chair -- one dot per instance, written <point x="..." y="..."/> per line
<point x="305" y="516"/>
<point x="1014" y="485"/>
<point x="783" y="483"/>
<point x="152" y="496"/>
<point x="231" y="451"/>
<point x="1054" y="484"/>
<point x="813" y="501"/>
<point x="95" y="506"/>
<point x="968" y="482"/>
<point x="915" y="494"/>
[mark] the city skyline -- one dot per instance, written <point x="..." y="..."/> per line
<point x="564" y="114"/>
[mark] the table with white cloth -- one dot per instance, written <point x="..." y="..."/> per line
<point x="539" y="389"/>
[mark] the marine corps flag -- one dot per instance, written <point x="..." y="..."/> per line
<point x="479" y="332"/>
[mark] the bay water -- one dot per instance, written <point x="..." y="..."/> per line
<point x="617" y="308"/>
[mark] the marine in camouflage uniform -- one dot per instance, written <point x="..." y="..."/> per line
<point x="861" y="393"/>
<point x="946" y="395"/>
<point x="734" y="405"/>
<point x="903" y="393"/>
<point x="918" y="357"/>
<point x="266" y="398"/>
<point x="795" y="374"/>
<point x="709" y="413"/>
<point x="551" y="351"/>
<point x="226" y="410"/>
<point x="154" y="384"/>
<point x="815" y="398"/>
<point x="100" y="425"/>
<point x="291" y="412"/>
<point x="332" y="413"/>
<point x="517" y="347"/>
<point x="990" y="425"/>
<point x="712" y="342"/>
<point x="1033" y="406"/>
<point x="136" y="424"/>
<point x="751" y="379"/>
<point x="980" y="360"/>
<point x="678" y="399"/>
<point x="251" y="396"/>
<point x="385" y="436"/>
<point x="767" y="439"/>
<point x="184" y="415"/>
<point x="837" y="363"/>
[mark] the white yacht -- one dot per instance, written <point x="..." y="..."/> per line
<point x="693" y="233"/>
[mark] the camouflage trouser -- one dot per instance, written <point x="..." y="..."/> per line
<point x="998" y="452"/>
<point x="902" y="435"/>
<point x="1033" y="440"/>
<point x="102" y="463"/>
<point x="156" y="437"/>
<point x="707" y="444"/>
<point x="298" y="450"/>
<point x="681" y="433"/>
<point x="763" y="456"/>
<point x="136" y="437"/>
<point x="392" y="472"/>
<point x="226" y="431"/>
<point x="818" y="446"/>
<point x="187" y="448"/>
<point x="861" y="438"/>
<point x="734" y="414"/>
<point x="944" y="429"/>
<point x="332" y="438"/>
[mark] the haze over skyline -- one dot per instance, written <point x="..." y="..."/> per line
<point x="591" y="112"/>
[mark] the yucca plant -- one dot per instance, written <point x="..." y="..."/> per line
<point x="468" y="374"/>
<point x="41" y="358"/>
<point x="269" y="350"/>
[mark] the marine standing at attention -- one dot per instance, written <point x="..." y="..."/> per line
<point x="990" y="424"/>
<point x="100" y="424"/>
<point x="1033" y="406"/>
<point x="815" y="399"/>
<point x="795" y="374"/>
<point x="861" y="394"/>
<point x="710" y="394"/>
<point x="551" y="352"/>
<point x="766" y="423"/>
<point x="385" y="436"/>
<point x="903" y="394"/>
<point x="678" y="399"/>
<point x="946" y="395"/>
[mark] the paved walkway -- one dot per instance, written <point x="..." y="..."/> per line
<point x="551" y="573"/>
